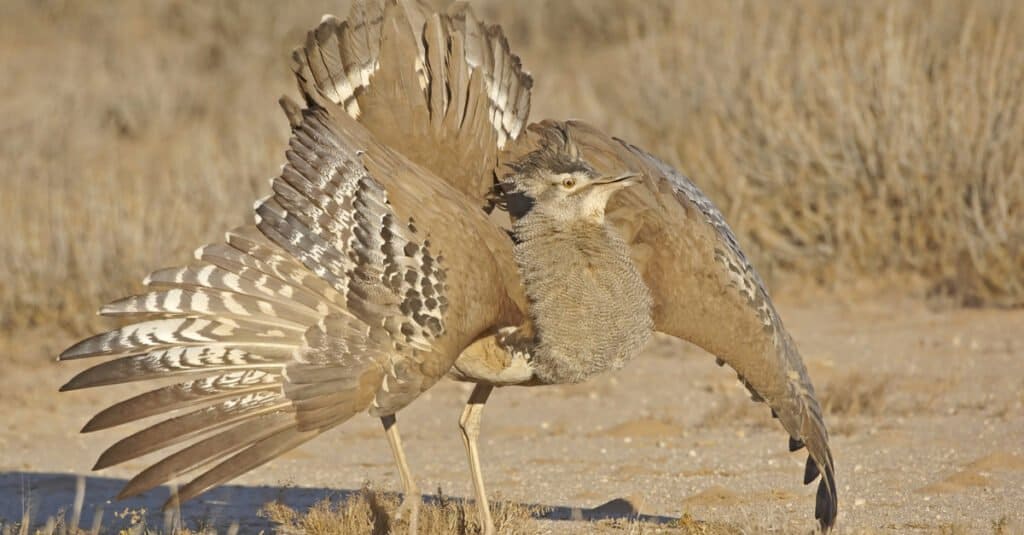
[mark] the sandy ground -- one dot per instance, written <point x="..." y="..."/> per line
<point x="926" y="410"/>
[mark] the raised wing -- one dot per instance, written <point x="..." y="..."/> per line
<point x="440" y="88"/>
<point x="335" y="302"/>
<point x="705" y="290"/>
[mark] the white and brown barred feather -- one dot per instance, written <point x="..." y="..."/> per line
<point x="443" y="89"/>
<point x="322" y="310"/>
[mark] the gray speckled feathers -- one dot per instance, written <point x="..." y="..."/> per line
<point x="589" y="305"/>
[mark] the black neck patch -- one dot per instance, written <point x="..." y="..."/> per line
<point x="518" y="204"/>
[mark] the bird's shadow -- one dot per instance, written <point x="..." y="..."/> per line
<point x="39" y="497"/>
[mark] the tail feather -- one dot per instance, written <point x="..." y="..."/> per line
<point x="326" y="63"/>
<point x="342" y="55"/>
<point x="435" y="35"/>
<point x="429" y="85"/>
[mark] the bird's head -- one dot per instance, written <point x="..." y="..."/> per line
<point x="555" y="181"/>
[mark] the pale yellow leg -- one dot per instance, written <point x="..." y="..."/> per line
<point x="469" y="422"/>
<point x="411" y="500"/>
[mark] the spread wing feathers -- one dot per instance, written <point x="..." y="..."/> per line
<point x="705" y="290"/>
<point x="327" y="307"/>
<point x="330" y="214"/>
<point x="441" y="88"/>
<point x="229" y="325"/>
<point x="778" y="377"/>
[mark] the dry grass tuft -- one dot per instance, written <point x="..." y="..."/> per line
<point x="689" y="526"/>
<point x="856" y="395"/>
<point x="840" y="139"/>
<point x="371" y="512"/>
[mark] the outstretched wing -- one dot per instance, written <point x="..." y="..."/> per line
<point x="705" y="290"/>
<point x="335" y="302"/>
<point x="442" y="89"/>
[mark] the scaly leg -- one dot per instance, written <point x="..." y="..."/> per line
<point x="469" y="422"/>
<point x="411" y="500"/>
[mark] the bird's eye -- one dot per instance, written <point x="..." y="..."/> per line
<point x="568" y="183"/>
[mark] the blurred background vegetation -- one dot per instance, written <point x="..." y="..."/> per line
<point x="844" y="141"/>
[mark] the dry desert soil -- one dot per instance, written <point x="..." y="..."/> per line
<point x="926" y="409"/>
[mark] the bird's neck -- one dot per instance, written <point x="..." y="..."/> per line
<point x="590" y="307"/>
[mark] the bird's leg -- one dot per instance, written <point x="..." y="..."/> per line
<point x="469" y="422"/>
<point x="411" y="500"/>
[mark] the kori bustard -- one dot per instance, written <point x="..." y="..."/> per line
<point x="377" y="266"/>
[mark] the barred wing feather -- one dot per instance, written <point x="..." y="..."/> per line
<point x="286" y="329"/>
<point x="443" y="89"/>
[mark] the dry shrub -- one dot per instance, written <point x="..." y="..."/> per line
<point x="856" y="394"/>
<point x="729" y="410"/>
<point x="371" y="512"/>
<point x="841" y="139"/>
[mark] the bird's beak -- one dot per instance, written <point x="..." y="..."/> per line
<point x="626" y="179"/>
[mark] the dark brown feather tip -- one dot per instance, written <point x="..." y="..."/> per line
<point x="795" y="444"/>
<point x="810" y="471"/>
<point x="826" y="506"/>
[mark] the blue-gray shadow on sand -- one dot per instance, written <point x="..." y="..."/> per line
<point x="50" y="495"/>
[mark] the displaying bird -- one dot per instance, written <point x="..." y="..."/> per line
<point x="379" y="265"/>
